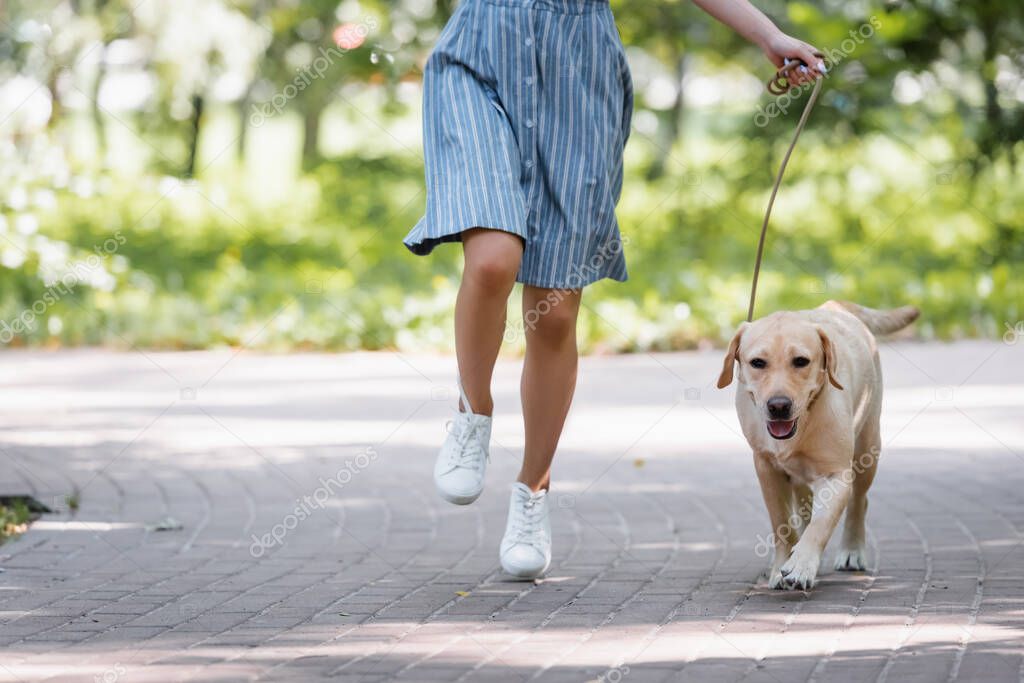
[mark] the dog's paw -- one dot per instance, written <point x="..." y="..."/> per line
<point x="851" y="560"/>
<point x="800" y="571"/>
<point x="775" y="579"/>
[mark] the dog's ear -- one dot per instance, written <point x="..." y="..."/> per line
<point x="829" y="351"/>
<point x="731" y="356"/>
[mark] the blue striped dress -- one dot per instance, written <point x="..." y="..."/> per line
<point x="526" y="110"/>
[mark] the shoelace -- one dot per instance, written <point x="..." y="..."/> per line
<point x="527" y="524"/>
<point x="470" y="449"/>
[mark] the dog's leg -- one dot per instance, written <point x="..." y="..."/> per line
<point x="803" y="498"/>
<point x="831" y="495"/>
<point x="852" y="555"/>
<point x="778" y="498"/>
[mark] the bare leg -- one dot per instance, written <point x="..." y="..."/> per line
<point x="549" y="376"/>
<point x="491" y="262"/>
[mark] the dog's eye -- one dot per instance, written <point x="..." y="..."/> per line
<point x="801" y="362"/>
<point x="758" y="363"/>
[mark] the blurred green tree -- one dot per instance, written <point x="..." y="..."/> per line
<point x="905" y="188"/>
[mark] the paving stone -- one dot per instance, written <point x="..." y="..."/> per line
<point x="657" y="520"/>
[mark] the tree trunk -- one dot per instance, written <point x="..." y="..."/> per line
<point x="98" y="123"/>
<point x="55" y="103"/>
<point x="311" y="136"/>
<point x="668" y="132"/>
<point x="198" y="103"/>
<point x="244" y="109"/>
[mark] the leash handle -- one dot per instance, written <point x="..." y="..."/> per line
<point x="781" y="84"/>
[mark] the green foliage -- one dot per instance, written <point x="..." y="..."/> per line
<point x="202" y="264"/>
<point x="905" y="187"/>
<point x="13" y="519"/>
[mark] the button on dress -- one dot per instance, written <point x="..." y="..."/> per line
<point x="526" y="111"/>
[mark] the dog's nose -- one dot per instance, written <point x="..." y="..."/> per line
<point x="779" y="407"/>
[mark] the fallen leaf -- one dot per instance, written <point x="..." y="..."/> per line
<point x="639" y="462"/>
<point x="344" y="614"/>
<point x="462" y="594"/>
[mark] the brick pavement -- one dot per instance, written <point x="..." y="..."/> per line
<point x="311" y="544"/>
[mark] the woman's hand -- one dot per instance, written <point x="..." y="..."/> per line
<point x="752" y="24"/>
<point x="779" y="47"/>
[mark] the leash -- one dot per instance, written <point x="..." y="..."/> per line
<point x="780" y="85"/>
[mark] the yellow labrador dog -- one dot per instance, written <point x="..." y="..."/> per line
<point x="809" y="397"/>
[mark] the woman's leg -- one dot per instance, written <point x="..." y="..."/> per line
<point x="491" y="262"/>
<point x="549" y="376"/>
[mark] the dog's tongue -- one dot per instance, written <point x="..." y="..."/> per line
<point x="780" y="428"/>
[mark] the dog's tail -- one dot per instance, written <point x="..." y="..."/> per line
<point x="880" y="322"/>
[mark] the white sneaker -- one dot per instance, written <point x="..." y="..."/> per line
<point x="526" y="547"/>
<point x="462" y="462"/>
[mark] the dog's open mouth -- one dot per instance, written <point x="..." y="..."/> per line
<point x="781" y="429"/>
